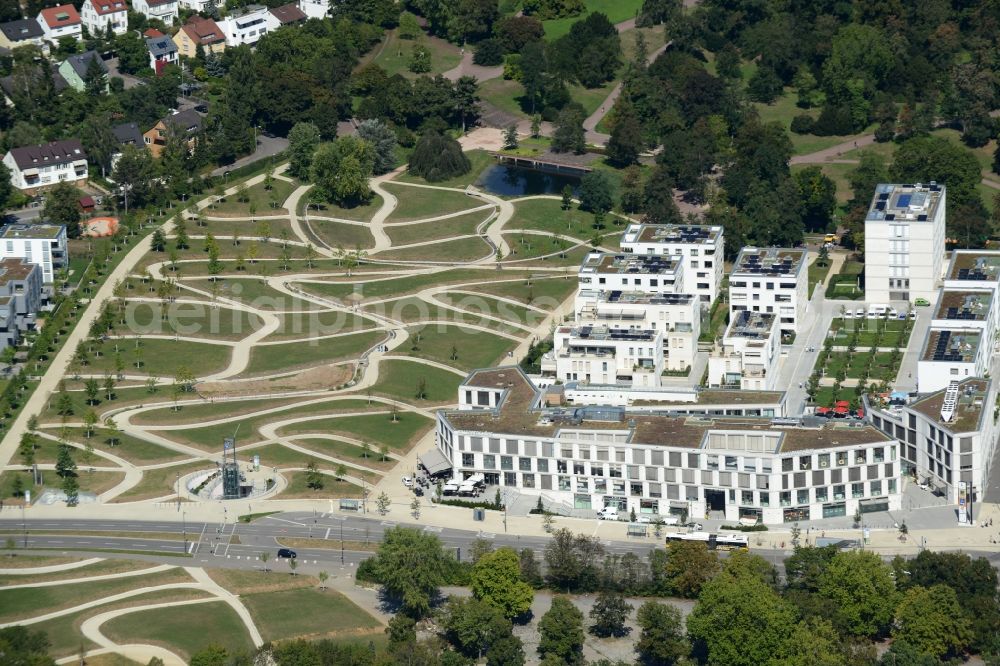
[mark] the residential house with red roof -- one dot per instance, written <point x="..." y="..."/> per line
<point x="199" y="31"/>
<point x="59" y="22"/>
<point x="99" y="16"/>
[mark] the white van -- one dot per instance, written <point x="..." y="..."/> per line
<point x="877" y="311"/>
<point x="608" y="513"/>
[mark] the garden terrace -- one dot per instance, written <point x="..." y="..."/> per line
<point x="964" y="305"/>
<point x="969" y="410"/>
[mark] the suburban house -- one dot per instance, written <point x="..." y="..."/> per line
<point x="162" y="52"/>
<point x="74" y="69"/>
<point x="186" y="123"/>
<point x="163" y="10"/>
<point x="315" y="8"/>
<point x="204" y="6"/>
<point x="29" y="78"/>
<point x="22" y="32"/>
<point x="289" y="14"/>
<point x="126" y="134"/>
<point x="20" y="298"/>
<point x="42" y="244"/>
<point x="35" y="168"/>
<point x="59" y="22"/>
<point x="199" y="31"/>
<point x="100" y="15"/>
<point x="247" y="25"/>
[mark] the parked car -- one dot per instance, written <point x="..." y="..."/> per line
<point x="286" y="553"/>
<point x="608" y="513"/>
<point x="408" y="482"/>
<point x="860" y="313"/>
<point x="921" y="302"/>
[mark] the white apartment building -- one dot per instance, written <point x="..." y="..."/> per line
<point x="316" y="9"/>
<point x="676" y="316"/>
<point x="198" y="5"/>
<point x="749" y="354"/>
<point x="904" y="242"/>
<point x="42" y="244"/>
<point x="700" y="246"/>
<point x="626" y="272"/>
<point x="247" y="25"/>
<point x="59" y="22"/>
<point x="163" y="10"/>
<point x="606" y="355"/>
<point x="771" y="281"/>
<point x="33" y="168"/>
<point x="737" y="468"/>
<point x="947" y="437"/>
<point x="99" y="15"/>
<point x="951" y="354"/>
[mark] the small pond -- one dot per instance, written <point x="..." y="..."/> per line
<point x="519" y="181"/>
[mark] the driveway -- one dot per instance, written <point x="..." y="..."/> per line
<point x="266" y="147"/>
<point x="130" y="81"/>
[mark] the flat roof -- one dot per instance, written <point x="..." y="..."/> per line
<point x="976" y="266"/>
<point x="951" y="345"/>
<point x="600" y="262"/>
<point x="608" y="334"/>
<point x="616" y="296"/>
<point x="722" y="397"/>
<point x="769" y="261"/>
<point x="15" y="268"/>
<point x="38" y="231"/>
<point x="898" y="202"/>
<point x="672" y="233"/>
<point x="517" y="415"/>
<point x="969" y="410"/>
<point x="749" y="324"/>
<point x="963" y="305"/>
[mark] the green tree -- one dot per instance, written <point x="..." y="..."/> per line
<point x="626" y="141"/>
<point x="926" y="158"/>
<point x="383" y="141"/>
<point x="569" y="135"/>
<point x="505" y="651"/>
<point x="510" y="138"/>
<point x="62" y="206"/>
<point x="496" y="580"/>
<point x="420" y="59"/>
<point x="812" y="642"/>
<point x="65" y="465"/>
<point x="610" y="613"/>
<point x="71" y="488"/>
<point x="472" y="625"/>
<point x="572" y="560"/>
<point x="658" y="203"/>
<point x="438" y="157"/>
<point x="933" y="622"/>
<point x="212" y="655"/>
<point x="688" y="565"/>
<point x="596" y="192"/>
<point x="411" y="566"/>
<point x="561" y="632"/>
<point x="818" y="195"/>
<point x="133" y="55"/>
<point x="91" y="388"/>
<point x="303" y="140"/>
<point x="341" y="171"/>
<point x="662" y="641"/>
<point x="862" y="593"/>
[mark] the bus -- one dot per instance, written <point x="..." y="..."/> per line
<point x="713" y="541"/>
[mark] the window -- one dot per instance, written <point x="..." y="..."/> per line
<point x="468" y="460"/>
<point x="857" y="490"/>
<point x="543" y="465"/>
<point x="524" y="464"/>
<point x="489" y="462"/>
<point x="506" y="462"/>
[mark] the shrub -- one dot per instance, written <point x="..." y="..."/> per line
<point x="833" y="121"/>
<point x="489" y="53"/>
<point x="803" y="124"/>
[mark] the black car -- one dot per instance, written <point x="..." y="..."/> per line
<point x="286" y="553"/>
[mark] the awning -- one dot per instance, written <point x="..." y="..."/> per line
<point x="435" y="462"/>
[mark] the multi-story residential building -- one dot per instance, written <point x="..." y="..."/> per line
<point x="904" y="242"/>
<point x="162" y="52"/>
<point x="203" y="6"/>
<point x="126" y="134"/>
<point x="186" y="123"/>
<point x="59" y="22"/>
<point x="950" y="354"/>
<point x="606" y="355"/>
<point x="675" y="399"/>
<point x="42" y="244"/>
<point x="20" y="298"/>
<point x="973" y="269"/>
<point x="197" y="32"/>
<point x="99" y="16"/>
<point x="626" y="272"/>
<point x="771" y="281"/>
<point x="316" y="9"/>
<point x="749" y="354"/>
<point x="701" y="247"/>
<point x="34" y="168"/>
<point x="22" y="32"/>
<point x="739" y="468"/>
<point x="948" y="437"/>
<point x="162" y="10"/>
<point x="676" y="316"/>
<point x="74" y="69"/>
<point x="247" y="25"/>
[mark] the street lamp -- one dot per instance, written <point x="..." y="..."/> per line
<point x="341" y="542"/>
<point x="24" y="525"/>
<point x="184" y="534"/>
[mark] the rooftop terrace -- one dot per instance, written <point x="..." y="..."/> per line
<point x="33" y="231"/>
<point x="964" y="305"/>
<point x="910" y="203"/>
<point x="952" y="346"/>
<point x="608" y="334"/>
<point x="518" y="416"/>
<point x="969" y="410"/>
<point x="672" y="233"/>
<point x="636" y="297"/>
<point x="748" y="324"/>
<point x="769" y="261"/>
<point x="597" y="262"/>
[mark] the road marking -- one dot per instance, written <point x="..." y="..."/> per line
<point x="430" y="528"/>
<point x="289" y="521"/>
<point x="487" y="535"/>
<point x="327" y="536"/>
<point x="386" y="523"/>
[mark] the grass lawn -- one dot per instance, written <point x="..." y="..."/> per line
<point x="471" y="348"/>
<point x="493" y="307"/>
<point x="122" y="397"/>
<point x="132" y="449"/>
<point x="817" y="273"/>
<point x="298" y="488"/>
<point x="184" y="629"/>
<point x="539" y="256"/>
<point x="478" y="159"/>
<point x="415" y="310"/>
<point x="784" y="109"/>
<point x="415" y="203"/>
<point x="616" y="11"/>
<point x="242" y="229"/>
<point x="201" y="320"/>
<point x="312" y="324"/>
<point x="345" y="451"/>
<point x="394" y="55"/>
<point x="254" y="292"/>
<point x="194" y="414"/>
<point x="160" y="358"/>
<point x="591" y="98"/>
<point x="96" y="569"/>
<point x="505" y="95"/>
<point x="398" y="379"/>
<point x="465" y="249"/>
<point x="463" y="225"/>
<point x="826" y="396"/>
<point x="543" y="292"/>
<point x="307" y="612"/>
<point x="340" y="235"/>
<point x="379" y="287"/>
<point x="90" y="482"/>
<point x="360" y="213"/>
<point x="375" y="428"/>
<point x="28" y="602"/>
<point x="270" y="359"/>
<point x="894" y="332"/>
<point x="544" y="248"/>
<point x="256" y="196"/>
<point x="548" y="215"/>
<point x="160" y="482"/>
